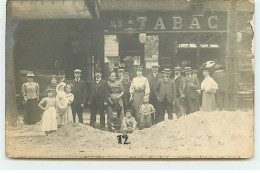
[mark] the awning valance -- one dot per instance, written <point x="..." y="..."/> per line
<point x="50" y="9"/>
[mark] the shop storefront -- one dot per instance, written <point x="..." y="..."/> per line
<point x="167" y="38"/>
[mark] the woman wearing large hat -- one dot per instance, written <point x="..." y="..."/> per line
<point x="208" y="87"/>
<point x="138" y="89"/>
<point x="30" y="91"/>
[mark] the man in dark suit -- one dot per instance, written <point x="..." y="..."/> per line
<point x="222" y="79"/>
<point x="62" y="77"/>
<point x="79" y="90"/>
<point x="188" y="91"/>
<point x="98" y="99"/>
<point x="179" y="106"/>
<point x="153" y="78"/>
<point x="166" y="95"/>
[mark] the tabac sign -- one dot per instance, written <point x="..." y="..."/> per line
<point x="164" y="22"/>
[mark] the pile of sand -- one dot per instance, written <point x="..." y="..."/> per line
<point x="199" y="134"/>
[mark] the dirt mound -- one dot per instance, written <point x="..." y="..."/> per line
<point x="195" y="130"/>
<point x="196" y="135"/>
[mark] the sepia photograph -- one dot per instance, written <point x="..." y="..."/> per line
<point x="129" y="79"/>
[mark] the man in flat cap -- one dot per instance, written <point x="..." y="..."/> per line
<point x="166" y="95"/>
<point x="79" y="90"/>
<point x="98" y="99"/>
<point x="179" y="106"/>
<point x="188" y="90"/>
<point x="153" y="78"/>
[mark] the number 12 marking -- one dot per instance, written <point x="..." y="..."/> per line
<point x="119" y="137"/>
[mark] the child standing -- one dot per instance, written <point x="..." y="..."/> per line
<point x="145" y="111"/>
<point x="129" y="123"/>
<point x="49" y="119"/>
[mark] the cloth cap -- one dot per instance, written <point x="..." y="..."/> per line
<point x="177" y="69"/>
<point x="49" y="89"/>
<point x="187" y="69"/>
<point x="139" y="68"/>
<point x="77" y="71"/>
<point x="155" y="66"/>
<point x="167" y="70"/>
<point x="30" y="74"/>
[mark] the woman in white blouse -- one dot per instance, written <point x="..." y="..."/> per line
<point x="138" y="89"/>
<point x="209" y="87"/>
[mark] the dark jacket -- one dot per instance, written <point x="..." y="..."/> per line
<point x="188" y="87"/>
<point x="115" y="122"/>
<point x="98" y="92"/>
<point x="166" y="89"/>
<point x="153" y="81"/>
<point x="177" y="84"/>
<point x="79" y="90"/>
<point x="222" y="79"/>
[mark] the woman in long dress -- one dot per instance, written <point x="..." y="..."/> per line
<point x="115" y="92"/>
<point x="138" y="89"/>
<point x="209" y="87"/>
<point x="30" y="91"/>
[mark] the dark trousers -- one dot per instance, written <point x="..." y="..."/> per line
<point x="191" y="105"/>
<point x="97" y="107"/>
<point x="164" y="105"/>
<point x="77" y="109"/>
<point x="220" y="100"/>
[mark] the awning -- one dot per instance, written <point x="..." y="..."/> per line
<point x="54" y="9"/>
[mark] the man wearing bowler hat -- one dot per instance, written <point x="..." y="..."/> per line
<point x="166" y="95"/>
<point x="178" y="107"/>
<point x="153" y="78"/>
<point x="188" y="91"/>
<point x="79" y="90"/>
<point x="98" y="99"/>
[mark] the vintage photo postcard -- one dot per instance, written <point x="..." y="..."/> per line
<point x="129" y="79"/>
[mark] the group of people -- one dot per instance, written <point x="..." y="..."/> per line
<point x="130" y="104"/>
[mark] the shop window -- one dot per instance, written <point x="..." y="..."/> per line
<point x="111" y="51"/>
<point x="151" y="50"/>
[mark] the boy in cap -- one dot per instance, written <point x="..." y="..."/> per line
<point x="146" y="111"/>
<point x="98" y="99"/>
<point x="153" y="78"/>
<point x="79" y="90"/>
<point x="166" y="95"/>
<point x="115" y="123"/>
<point x="129" y="123"/>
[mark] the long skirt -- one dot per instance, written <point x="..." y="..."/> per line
<point x="65" y="117"/>
<point x="31" y="114"/>
<point x="49" y="120"/>
<point x="208" y="102"/>
<point x="110" y="109"/>
<point x="137" y="102"/>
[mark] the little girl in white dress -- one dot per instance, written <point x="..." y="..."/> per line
<point x="49" y="117"/>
